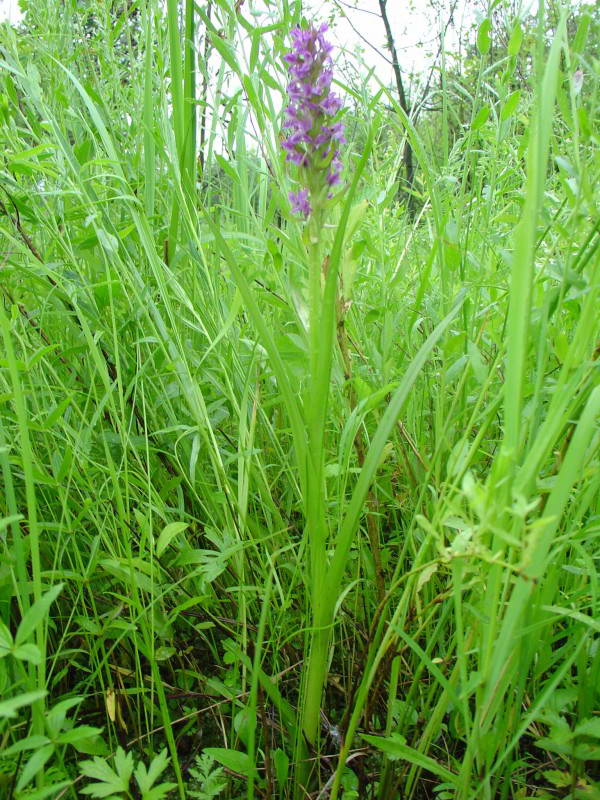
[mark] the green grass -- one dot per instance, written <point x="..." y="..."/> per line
<point x="268" y="536"/>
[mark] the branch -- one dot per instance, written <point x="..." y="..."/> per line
<point x="358" y="33"/>
<point x="430" y="76"/>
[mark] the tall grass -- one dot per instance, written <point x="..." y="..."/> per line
<point x="265" y="537"/>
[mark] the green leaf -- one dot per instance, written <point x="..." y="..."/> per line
<point x="39" y="355"/>
<point x="481" y="118"/>
<point x="5" y="522"/>
<point x="124" y="764"/>
<point x="147" y="777"/>
<point x="127" y="572"/>
<point x="484" y="41"/>
<point x="167" y="535"/>
<point x="57" y="413"/>
<point x="255" y="35"/>
<point x="35" y="615"/>
<point x="34" y="765"/>
<point x="478" y="365"/>
<point x="225" y="51"/>
<point x="91" y="746"/>
<point x="55" y="718"/>
<point x="158" y="792"/>
<point x="232" y="759"/>
<point x="282" y="765"/>
<point x="395" y="747"/>
<point x="210" y="778"/>
<point x="353" y="252"/>
<point x="557" y="778"/>
<point x="509" y="108"/>
<point x="81" y="732"/>
<point x="563" y="748"/>
<point x="108" y="781"/>
<point x="586" y="752"/>
<point x="109" y="242"/>
<point x="47" y="791"/>
<point x="9" y="708"/>
<point x="516" y="38"/>
<point x="269" y="81"/>
<point x="30" y="743"/>
<point x="426" y="574"/>
<point x="28" y="652"/>
<point x="6" y="640"/>
<point x="227" y="167"/>
<point x="589" y="727"/>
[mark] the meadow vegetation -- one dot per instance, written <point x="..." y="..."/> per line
<point x="296" y="508"/>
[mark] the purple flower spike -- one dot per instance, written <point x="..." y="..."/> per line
<point x="313" y="133"/>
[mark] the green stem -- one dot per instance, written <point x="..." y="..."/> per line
<point x="37" y="675"/>
<point x="316" y="523"/>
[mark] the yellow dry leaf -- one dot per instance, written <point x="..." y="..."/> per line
<point x="111" y="704"/>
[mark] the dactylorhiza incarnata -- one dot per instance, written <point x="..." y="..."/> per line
<point x="314" y="132"/>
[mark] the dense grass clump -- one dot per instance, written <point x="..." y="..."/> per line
<point x="296" y="505"/>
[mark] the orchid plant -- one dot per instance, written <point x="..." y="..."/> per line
<point x="314" y="134"/>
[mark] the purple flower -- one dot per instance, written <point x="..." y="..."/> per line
<point x="313" y="133"/>
<point x="299" y="201"/>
